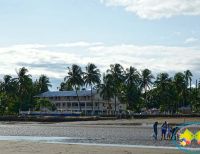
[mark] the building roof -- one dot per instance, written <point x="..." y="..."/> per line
<point x="65" y="93"/>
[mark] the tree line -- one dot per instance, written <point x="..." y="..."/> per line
<point x="138" y="89"/>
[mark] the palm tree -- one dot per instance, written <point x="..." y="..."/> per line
<point x="6" y="83"/>
<point x="146" y="81"/>
<point x="188" y="78"/>
<point x="65" y="86"/>
<point x="131" y="90"/>
<point x="117" y="73"/>
<point x="9" y="93"/>
<point x="91" y="77"/>
<point x="180" y="84"/>
<point x="24" y="82"/>
<point x="74" y="78"/>
<point x="162" y="80"/>
<point x="132" y="76"/>
<point x="44" y="83"/>
<point x="163" y="91"/>
<point x="106" y="89"/>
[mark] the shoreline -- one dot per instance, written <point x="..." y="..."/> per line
<point x="101" y="120"/>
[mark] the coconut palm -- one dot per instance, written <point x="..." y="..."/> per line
<point x="6" y="84"/>
<point x="180" y="84"/>
<point x="131" y="92"/>
<point x="24" y="82"/>
<point x="163" y="89"/>
<point x="162" y="80"/>
<point x="188" y="78"/>
<point x="65" y="86"/>
<point x="106" y="89"/>
<point x="132" y="76"/>
<point x="75" y="79"/>
<point x="9" y="85"/>
<point x="117" y="73"/>
<point x="44" y="83"/>
<point x="92" y="77"/>
<point x="146" y="82"/>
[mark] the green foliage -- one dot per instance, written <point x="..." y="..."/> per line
<point x="75" y="78"/>
<point x="65" y="86"/>
<point x="42" y="85"/>
<point x="44" y="104"/>
<point x="92" y="77"/>
<point x="138" y="89"/>
<point x="106" y="89"/>
<point x="17" y="93"/>
<point x="3" y="101"/>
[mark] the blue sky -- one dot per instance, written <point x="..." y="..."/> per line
<point x="48" y="35"/>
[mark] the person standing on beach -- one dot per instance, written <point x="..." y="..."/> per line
<point x="155" y="129"/>
<point x="164" y="130"/>
<point x="169" y="132"/>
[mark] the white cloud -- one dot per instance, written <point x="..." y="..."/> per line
<point x="157" y="58"/>
<point x="52" y="61"/>
<point x="156" y="9"/>
<point x="191" y="40"/>
<point x="78" y="44"/>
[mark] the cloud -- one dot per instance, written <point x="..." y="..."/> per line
<point x="191" y="40"/>
<point x="156" y="9"/>
<point x="78" y="44"/>
<point x="158" y="58"/>
<point x="53" y="60"/>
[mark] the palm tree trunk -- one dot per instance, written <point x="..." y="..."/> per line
<point x="145" y="95"/>
<point x="78" y="99"/>
<point x="92" y="102"/>
<point x="115" y="104"/>
<point x="108" y="103"/>
<point x="184" y="97"/>
<point x="190" y="90"/>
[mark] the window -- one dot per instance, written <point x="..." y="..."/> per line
<point x="74" y="104"/>
<point x="89" y="104"/>
<point x="82" y="104"/>
<point x="57" y="104"/>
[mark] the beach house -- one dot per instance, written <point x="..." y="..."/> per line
<point x="68" y="101"/>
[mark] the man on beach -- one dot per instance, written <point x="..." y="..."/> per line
<point x="155" y="129"/>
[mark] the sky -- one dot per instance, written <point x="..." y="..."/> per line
<point x="47" y="36"/>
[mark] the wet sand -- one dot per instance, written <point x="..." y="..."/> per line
<point x="10" y="147"/>
<point x="128" y="132"/>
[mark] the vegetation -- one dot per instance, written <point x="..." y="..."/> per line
<point x="75" y="79"/>
<point x="92" y="77"/>
<point x="44" y="105"/>
<point x="138" y="89"/>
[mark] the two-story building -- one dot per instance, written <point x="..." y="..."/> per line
<point x="67" y="101"/>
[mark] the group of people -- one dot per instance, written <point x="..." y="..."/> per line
<point x="166" y="131"/>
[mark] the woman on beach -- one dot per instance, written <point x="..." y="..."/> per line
<point x="164" y="130"/>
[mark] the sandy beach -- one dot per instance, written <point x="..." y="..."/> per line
<point x="10" y="147"/>
<point x="73" y="137"/>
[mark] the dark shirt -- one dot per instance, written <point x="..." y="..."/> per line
<point x="155" y="127"/>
